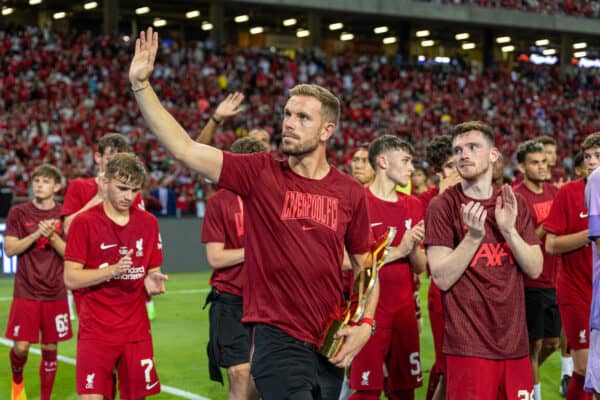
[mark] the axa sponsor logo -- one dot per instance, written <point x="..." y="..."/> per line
<point x="492" y="255"/>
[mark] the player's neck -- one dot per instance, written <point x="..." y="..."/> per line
<point x="478" y="189"/>
<point x="118" y="217"/>
<point x="44" y="204"/>
<point x="536" y="187"/>
<point x="311" y="166"/>
<point x="383" y="188"/>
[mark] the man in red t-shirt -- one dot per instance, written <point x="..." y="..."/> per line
<point x="440" y="160"/>
<point x="395" y="345"/>
<point x="557" y="176"/>
<point x="33" y="233"/>
<point x="223" y="232"/>
<point x="567" y="234"/>
<point x="300" y="214"/>
<point x="115" y="251"/>
<point x="480" y="241"/>
<point x="543" y="319"/>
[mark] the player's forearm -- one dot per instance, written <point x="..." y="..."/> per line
<point x="529" y="257"/>
<point x="208" y="132"/>
<point x="560" y="244"/>
<point x="447" y="265"/>
<point x="225" y="258"/>
<point x="14" y="246"/>
<point x="396" y="253"/>
<point x="199" y="157"/>
<point x="94" y="201"/>
<point x="372" y="300"/>
<point x="58" y="243"/>
<point x="417" y="260"/>
<point x="77" y="278"/>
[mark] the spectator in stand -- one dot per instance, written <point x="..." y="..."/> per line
<point x="557" y="175"/>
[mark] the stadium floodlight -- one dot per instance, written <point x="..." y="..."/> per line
<point x="579" y="54"/>
<point x="423" y="33"/>
<point x="503" y="39"/>
<point x="542" y="42"/>
<point x="59" y="15"/>
<point x="256" y="30"/>
<point x="421" y="58"/>
<point x="549" y="52"/>
<point x="381" y="29"/>
<point x="427" y="43"/>
<point x="34" y="2"/>
<point x="158" y="22"/>
<point x="302" y="33"/>
<point x="90" y="5"/>
<point x="241" y="18"/>
<point x="142" y="10"/>
<point x="126" y="38"/>
<point x="462" y="36"/>
<point x="336" y="26"/>
<point x="468" y="46"/>
<point x="442" y="60"/>
<point x="508" y="49"/>
<point x="206" y="26"/>
<point x="344" y="37"/>
<point x="390" y="40"/>
<point x="192" y="14"/>
<point x="580" y="45"/>
<point x="7" y="10"/>
<point x="289" y="22"/>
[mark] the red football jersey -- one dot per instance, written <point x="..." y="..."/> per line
<point x="115" y="310"/>
<point x="484" y="311"/>
<point x="569" y="215"/>
<point x="395" y="279"/>
<point x="295" y="232"/>
<point x="224" y="223"/>
<point x="81" y="190"/>
<point x="40" y="272"/>
<point x="539" y="208"/>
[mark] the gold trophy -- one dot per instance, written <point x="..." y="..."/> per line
<point x="364" y="283"/>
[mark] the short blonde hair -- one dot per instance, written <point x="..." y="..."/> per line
<point x="126" y="167"/>
<point x="330" y="105"/>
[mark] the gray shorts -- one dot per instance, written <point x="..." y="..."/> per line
<point x="592" y="374"/>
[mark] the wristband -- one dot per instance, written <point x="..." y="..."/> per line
<point x="369" y="321"/>
<point x="216" y="120"/>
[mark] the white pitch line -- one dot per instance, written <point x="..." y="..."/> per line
<point x="164" y="388"/>
<point x="182" y="291"/>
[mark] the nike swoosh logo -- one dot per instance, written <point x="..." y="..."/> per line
<point x="419" y="378"/>
<point x="308" y="228"/>
<point x="106" y="246"/>
<point x="374" y="224"/>
<point x="150" y="386"/>
<point x="62" y="334"/>
<point x="583" y="215"/>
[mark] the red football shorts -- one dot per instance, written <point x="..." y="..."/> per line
<point x="471" y="378"/>
<point x="576" y="323"/>
<point x="397" y="348"/>
<point x="135" y="369"/>
<point x="30" y="317"/>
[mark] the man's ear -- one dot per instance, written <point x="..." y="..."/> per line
<point x="327" y="131"/>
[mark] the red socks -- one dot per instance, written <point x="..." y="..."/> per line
<point x="48" y="367"/>
<point x="16" y="364"/>
<point x="575" y="391"/>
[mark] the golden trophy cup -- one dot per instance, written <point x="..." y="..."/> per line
<point x="364" y="283"/>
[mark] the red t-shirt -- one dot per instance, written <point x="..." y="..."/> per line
<point x="396" y="278"/>
<point x="115" y="310"/>
<point x="81" y="190"/>
<point x="40" y="272"/>
<point x="539" y="208"/>
<point x="224" y="223"/>
<point x="295" y="232"/>
<point x="484" y="311"/>
<point x="569" y="215"/>
<point x="428" y="195"/>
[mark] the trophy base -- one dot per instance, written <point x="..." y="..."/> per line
<point x="330" y="345"/>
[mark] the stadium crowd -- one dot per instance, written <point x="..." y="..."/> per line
<point x="62" y="91"/>
<point x="576" y="8"/>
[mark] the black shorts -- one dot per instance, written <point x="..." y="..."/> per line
<point x="543" y="318"/>
<point x="284" y="367"/>
<point x="229" y="340"/>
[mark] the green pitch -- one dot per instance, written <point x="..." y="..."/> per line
<point x="180" y="335"/>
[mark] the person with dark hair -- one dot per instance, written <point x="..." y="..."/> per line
<point x="543" y="318"/>
<point x="480" y="241"/>
<point x="579" y="165"/>
<point x="301" y="213"/>
<point x="223" y="232"/>
<point x="395" y="345"/>
<point x="360" y="168"/>
<point x="419" y="180"/>
<point x="115" y="251"/>
<point x="557" y="175"/>
<point x="34" y="235"/>
<point x="567" y="235"/>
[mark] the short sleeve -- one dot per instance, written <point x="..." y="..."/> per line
<point x="213" y="229"/>
<point x="556" y="221"/>
<point x="156" y="259"/>
<point x="14" y="226"/>
<point x="592" y="201"/>
<point x="358" y="232"/>
<point x="438" y="224"/>
<point x="76" y="249"/>
<point x="240" y="171"/>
